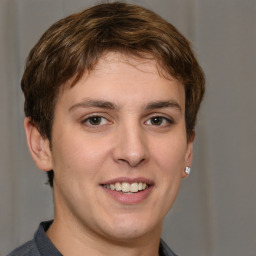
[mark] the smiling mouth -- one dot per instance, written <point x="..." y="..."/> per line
<point x="127" y="188"/>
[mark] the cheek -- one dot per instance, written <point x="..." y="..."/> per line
<point x="170" y="155"/>
<point x="170" y="160"/>
<point x="77" y="156"/>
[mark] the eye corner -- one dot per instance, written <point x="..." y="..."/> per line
<point x="94" y="121"/>
<point x="159" y="121"/>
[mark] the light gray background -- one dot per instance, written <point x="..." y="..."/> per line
<point x="215" y="212"/>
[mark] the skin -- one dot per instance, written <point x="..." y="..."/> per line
<point x="131" y="137"/>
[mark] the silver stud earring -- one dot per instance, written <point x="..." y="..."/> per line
<point x="187" y="170"/>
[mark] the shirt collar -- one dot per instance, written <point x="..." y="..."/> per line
<point x="43" y="243"/>
<point x="46" y="247"/>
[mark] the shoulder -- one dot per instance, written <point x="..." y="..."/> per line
<point x="27" y="249"/>
<point x="165" y="250"/>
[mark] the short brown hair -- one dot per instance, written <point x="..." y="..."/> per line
<point x="76" y="43"/>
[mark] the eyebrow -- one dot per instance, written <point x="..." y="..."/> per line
<point x="94" y="103"/>
<point x="163" y="104"/>
<point x="89" y="103"/>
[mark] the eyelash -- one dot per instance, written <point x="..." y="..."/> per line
<point x="167" y="121"/>
<point x="89" y="120"/>
<point x="164" y="121"/>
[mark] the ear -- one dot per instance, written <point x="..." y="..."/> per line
<point x="38" y="145"/>
<point x="189" y="153"/>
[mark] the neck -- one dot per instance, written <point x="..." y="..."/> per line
<point x="72" y="239"/>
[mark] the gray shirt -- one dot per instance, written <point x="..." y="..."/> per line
<point x="41" y="245"/>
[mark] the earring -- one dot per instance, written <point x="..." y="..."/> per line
<point x="187" y="170"/>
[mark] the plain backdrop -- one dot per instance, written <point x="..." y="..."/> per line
<point x="215" y="212"/>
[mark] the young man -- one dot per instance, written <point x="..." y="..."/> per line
<point x="111" y="98"/>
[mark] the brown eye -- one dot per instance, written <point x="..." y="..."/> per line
<point x="156" y="120"/>
<point x="95" y="120"/>
<point x="159" y="121"/>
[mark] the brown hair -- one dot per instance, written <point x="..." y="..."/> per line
<point x="75" y="44"/>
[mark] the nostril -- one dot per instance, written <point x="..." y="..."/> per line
<point x="132" y="162"/>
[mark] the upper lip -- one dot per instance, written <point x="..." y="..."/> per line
<point x="128" y="180"/>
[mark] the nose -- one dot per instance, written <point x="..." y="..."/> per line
<point x="131" y="146"/>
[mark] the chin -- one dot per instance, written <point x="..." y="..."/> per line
<point x="127" y="234"/>
<point x="130" y="228"/>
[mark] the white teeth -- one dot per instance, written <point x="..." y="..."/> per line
<point x="118" y="186"/>
<point x="134" y="187"/>
<point x="126" y="187"/>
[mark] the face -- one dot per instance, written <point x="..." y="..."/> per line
<point x="119" y="149"/>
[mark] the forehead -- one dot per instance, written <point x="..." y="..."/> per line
<point x="143" y="62"/>
<point x="122" y="74"/>
<point x="109" y="61"/>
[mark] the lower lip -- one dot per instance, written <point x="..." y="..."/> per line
<point x="133" y="198"/>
